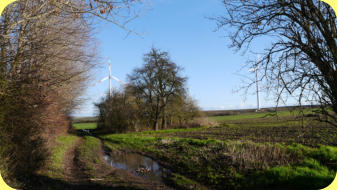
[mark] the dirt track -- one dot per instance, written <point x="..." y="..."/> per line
<point x="105" y="177"/>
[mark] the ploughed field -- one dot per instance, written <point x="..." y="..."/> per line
<point x="289" y="150"/>
<point x="286" y="127"/>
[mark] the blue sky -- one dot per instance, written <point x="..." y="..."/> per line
<point x="183" y="29"/>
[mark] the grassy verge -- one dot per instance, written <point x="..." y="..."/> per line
<point x="56" y="167"/>
<point x="237" y="164"/>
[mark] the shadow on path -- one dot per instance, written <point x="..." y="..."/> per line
<point x="46" y="183"/>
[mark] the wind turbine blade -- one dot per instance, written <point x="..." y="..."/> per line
<point x="118" y="80"/>
<point x="115" y="78"/>
<point x="106" y="78"/>
<point x="252" y="69"/>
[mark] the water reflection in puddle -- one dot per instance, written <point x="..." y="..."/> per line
<point x="137" y="164"/>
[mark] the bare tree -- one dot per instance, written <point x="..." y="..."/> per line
<point x="155" y="83"/>
<point x="118" y="12"/>
<point x="302" y="58"/>
<point x="46" y="52"/>
<point x="41" y="60"/>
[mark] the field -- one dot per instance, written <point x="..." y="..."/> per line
<point x="243" y="151"/>
<point x="261" y="115"/>
<point x="78" y="126"/>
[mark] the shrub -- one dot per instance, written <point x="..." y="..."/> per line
<point x="22" y="147"/>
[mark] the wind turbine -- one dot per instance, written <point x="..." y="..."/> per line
<point x="110" y="77"/>
<point x="256" y="69"/>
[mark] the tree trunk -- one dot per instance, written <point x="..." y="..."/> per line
<point x="164" y="124"/>
<point x="155" y="125"/>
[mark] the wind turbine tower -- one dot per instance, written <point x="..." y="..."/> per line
<point x="110" y="91"/>
<point x="256" y="69"/>
<point x="257" y="82"/>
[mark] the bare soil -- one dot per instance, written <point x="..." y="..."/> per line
<point x="311" y="134"/>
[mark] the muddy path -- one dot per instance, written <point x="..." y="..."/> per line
<point x="72" y="171"/>
<point x="103" y="176"/>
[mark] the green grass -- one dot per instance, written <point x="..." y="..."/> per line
<point x="84" y="119"/>
<point x="311" y="174"/>
<point x="259" y="115"/>
<point x="79" y="126"/>
<point x="129" y="140"/>
<point x="185" y="183"/>
<point x="56" y="167"/>
<point x="166" y="131"/>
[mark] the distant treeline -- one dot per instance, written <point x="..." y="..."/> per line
<point x="84" y="119"/>
<point x="210" y="113"/>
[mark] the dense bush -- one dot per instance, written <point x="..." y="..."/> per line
<point x="118" y="113"/>
<point x="23" y="149"/>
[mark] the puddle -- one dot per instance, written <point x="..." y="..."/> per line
<point x="137" y="164"/>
